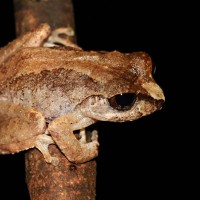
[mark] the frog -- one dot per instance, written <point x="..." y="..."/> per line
<point x="49" y="92"/>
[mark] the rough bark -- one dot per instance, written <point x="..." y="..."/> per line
<point x="66" y="181"/>
<point x="29" y="13"/>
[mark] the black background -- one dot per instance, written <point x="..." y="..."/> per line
<point x="147" y="157"/>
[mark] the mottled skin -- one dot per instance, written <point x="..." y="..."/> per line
<point x="48" y="92"/>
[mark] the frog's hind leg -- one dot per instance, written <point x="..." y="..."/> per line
<point x="22" y="128"/>
<point x="33" y="38"/>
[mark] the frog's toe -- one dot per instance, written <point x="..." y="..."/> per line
<point x="82" y="135"/>
<point x="94" y="135"/>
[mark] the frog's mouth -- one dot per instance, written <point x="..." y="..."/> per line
<point x="121" y="107"/>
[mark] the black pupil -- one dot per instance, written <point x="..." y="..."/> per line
<point x="122" y="101"/>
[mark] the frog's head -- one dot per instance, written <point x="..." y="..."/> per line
<point x="128" y="90"/>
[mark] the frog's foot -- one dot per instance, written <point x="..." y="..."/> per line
<point x="42" y="143"/>
<point x="61" y="37"/>
<point x="92" y="146"/>
<point x="84" y="151"/>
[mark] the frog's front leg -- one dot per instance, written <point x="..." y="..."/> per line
<point x="77" y="151"/>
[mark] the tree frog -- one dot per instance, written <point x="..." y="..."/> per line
<point x="48" y="93"/>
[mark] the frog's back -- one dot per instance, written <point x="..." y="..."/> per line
<point x="55" y="80"/>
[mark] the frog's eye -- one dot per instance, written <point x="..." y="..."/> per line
<point x="122" y="102"/>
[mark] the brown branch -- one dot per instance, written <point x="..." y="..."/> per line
<point x="45" y="181"/>
<point x="30" y="13"/>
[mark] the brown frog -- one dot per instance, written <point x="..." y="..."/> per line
<point x="46" y="93"/>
